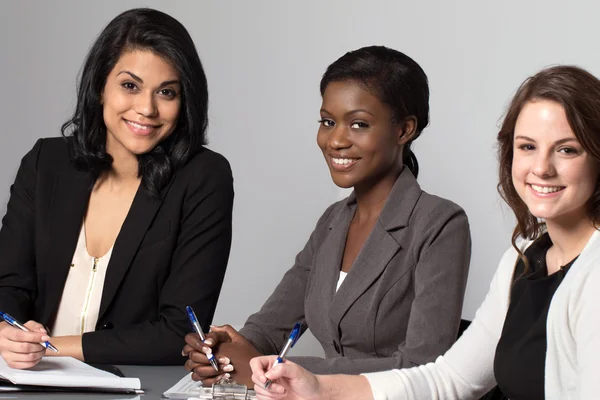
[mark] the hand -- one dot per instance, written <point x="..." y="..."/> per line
<point x="232" y="350"/>
<point x="289" y="380"/>
<point x="198" y="363"/>
<point x="22" y="349"/>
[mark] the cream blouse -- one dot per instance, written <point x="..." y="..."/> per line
<point x="80" y="301"/>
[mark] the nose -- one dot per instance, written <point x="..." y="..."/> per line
<point x="146" y="105"/>
<point x="338" y="138"/>
<point x="543" y="165"/>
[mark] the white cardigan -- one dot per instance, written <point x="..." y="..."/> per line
<point x="466" y="371"/>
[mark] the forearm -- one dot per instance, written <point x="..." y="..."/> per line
<point x="68" y="346"/>
<point x="148" y="343"/>
<point x="344" y="387"/>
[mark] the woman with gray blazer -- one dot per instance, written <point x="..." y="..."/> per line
<point x="380" y="282"/>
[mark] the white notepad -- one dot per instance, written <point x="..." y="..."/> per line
<point x="67" y="372"/>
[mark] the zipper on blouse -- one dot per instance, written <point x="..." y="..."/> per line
<point x="89" y="294"/>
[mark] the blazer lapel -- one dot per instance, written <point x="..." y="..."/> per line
<point x="379" y="248"/>
<point x="330" y="255"/>
<point x="69" y="203"/>
<point x="138" y="220"/>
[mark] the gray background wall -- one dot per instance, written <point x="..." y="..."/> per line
<point x="263" y="61"/>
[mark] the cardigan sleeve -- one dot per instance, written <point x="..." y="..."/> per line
<point x="18" y="284"/>
<point x="466" y="370"/>
<point x="586" y="332"/>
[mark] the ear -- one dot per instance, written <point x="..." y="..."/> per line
<point x="407" y="130"/>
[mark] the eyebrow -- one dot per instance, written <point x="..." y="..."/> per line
<point x="359" y="110"/>
<point x="561" y="141"/>
<point x="140" y="80"/>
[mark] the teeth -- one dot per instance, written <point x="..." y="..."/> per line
<point x="546" y="189"/>
<point x="342" y="161"/>
<point x="139" y="126"/>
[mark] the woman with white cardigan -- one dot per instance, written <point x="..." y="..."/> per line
<point x="537" y="333"/>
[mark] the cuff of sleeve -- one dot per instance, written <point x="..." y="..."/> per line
<point x="382" y="384"/>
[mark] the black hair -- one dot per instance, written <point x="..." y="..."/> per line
<point x="395" y="78"/>
<point x="155" y="31"/>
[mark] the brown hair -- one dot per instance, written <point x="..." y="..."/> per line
<point x="578" y="92"/>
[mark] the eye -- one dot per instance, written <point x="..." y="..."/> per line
<point x="359" y="125"/>
<point x="568" y="150"/>
<point x="526" y="147"/>
<point x="326" y="122"/>
<point x="170" y="93"/>
<point x="129" y="85"/>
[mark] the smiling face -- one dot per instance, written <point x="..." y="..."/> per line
<point x="141" y="103"/>
<point x="361" y="143"/>
<point x="552" y="173"/>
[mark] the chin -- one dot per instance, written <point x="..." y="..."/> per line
<point x="343" y="183"/>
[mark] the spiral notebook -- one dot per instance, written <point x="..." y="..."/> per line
<point x="67" y="373"/>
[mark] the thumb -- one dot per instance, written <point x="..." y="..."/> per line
<point x="287" y="370"/>
<point x="227" y="331"/>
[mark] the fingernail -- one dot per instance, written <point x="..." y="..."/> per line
<point x="226" y="376"/>
<point x="262" y="378"/>
<point x="208" y="342"/>
<point x="224" y="360"/>
<point x="206" y="350"/>
<point x="183" y="353"/>
<point x="228" y="368"/>
<point x="45" y="338"/>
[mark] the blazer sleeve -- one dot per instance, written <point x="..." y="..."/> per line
<point x="17" y="253"/>
<point x="197" y="270"/>
<point x="268" y="329"/>
<point x="466" y="371"/>
<point x="440" y="278"/>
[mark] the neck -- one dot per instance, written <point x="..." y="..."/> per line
<point x="371" y="199"/>
<point x="569" y="237"/>
<point x="125" y="167"/>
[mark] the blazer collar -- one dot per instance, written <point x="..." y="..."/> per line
<point x="399" y="205"/>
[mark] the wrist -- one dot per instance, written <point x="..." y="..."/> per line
<point x="342" y="387"/>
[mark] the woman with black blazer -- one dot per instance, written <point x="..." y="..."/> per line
<point x="380" y="282"/>
<point x="113" y="229"/>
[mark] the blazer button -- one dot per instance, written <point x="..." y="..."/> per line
<point x="108" y="325"/>
<point x="336" y="346"/>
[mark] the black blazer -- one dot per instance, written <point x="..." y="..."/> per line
<point x="169" y="253"/>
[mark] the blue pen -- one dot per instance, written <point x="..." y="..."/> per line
<point x="13" y="322"/>
<point x="192" y="316"/>
<point x="292" y="339"/>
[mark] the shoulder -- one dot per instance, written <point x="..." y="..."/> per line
<point x="432" y="213"/>
<point x="50" y="154"/>
<point x="206" y="165"/>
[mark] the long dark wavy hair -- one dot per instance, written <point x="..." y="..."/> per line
<point x="578" y="92"/>
<point x="155" y="31"/>
<point x="395" y="79"/>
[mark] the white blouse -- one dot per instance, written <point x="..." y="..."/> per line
<point x="340" y="280"/>
<point x="80" y="301"/>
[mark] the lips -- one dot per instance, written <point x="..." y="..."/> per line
<point x="546" y="189"/>
<point x="141" y="129"/>
<point x="342" y="163"/>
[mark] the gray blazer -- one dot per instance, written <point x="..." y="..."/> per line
<point x="400" y="304"/>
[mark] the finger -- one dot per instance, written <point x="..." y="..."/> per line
<point x="35" y="327"/>
<point x="17" y="335"/>
<point x="260" y="365"/>
<point x="224" y="361"/>
<point x="210" y="381"/>
<point x="275" y="391"/>
<point x="227" y="329"/>
<point x="22" y="364"/>
<point x="206" y="371"/>
<point x="198" y="357"/>
<point x="23" y="347"/>
<point x="218" y="334"/>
